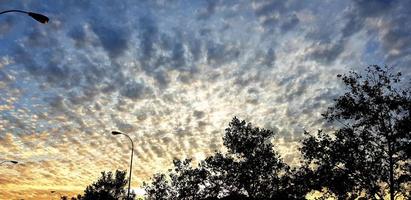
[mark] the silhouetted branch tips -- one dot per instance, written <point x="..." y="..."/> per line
<point x="109" y="187"/>
<point x="250" y="170"/>
<point x="368" y="157"/>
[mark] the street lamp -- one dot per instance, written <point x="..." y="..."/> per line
<point x="10" y="161"/>
<point x="131" y="162"/>
<point x="36" y="16"/>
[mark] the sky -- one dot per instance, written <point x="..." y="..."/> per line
<point x="172" y="74"/>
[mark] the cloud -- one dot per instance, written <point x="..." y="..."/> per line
<point x="290" y="23"/>
<point x="277" y="15"/>
<point x="218" y="54"/>
<point x="148" y="33"/>
<point x="208" y="10"/>
<point x="361" y="11"/>
<point x="198" y="114"/>
<point x="325" y="52"/>
<point x="172" y="75"/>
<point x="7" y="25"/>
<point x="135" y="90"/>
<point x="113" y="39"/>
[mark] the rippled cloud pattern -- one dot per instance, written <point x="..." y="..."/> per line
<point x="172" y="74"/>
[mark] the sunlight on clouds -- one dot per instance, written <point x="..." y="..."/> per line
<point x="171" y="76"/>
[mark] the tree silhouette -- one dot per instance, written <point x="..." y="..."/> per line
<point x="108" y="187"/>
<point x="371" y="151"/>
<point x="251" y="169"/>
<point x="72" y="198"/>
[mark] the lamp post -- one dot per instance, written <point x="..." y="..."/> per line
<point x="10" y="161"/>
<point x="131" y="162"/>
<point x="36" y="16"/>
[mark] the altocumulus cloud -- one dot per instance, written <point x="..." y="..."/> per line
<point x="172" y="74"/>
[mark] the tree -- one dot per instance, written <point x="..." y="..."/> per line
<point x="251" y="169"/>
<point x="72" y="198"/>
<point x="257" y="167"/>
<point x="370" y="152"/>
<point x="108" y="187"/>
<point x="160" y="188"/>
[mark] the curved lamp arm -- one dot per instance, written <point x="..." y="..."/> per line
<point x="36" y="16"/>
<point x="10" y="161"/>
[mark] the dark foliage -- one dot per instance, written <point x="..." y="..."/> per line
<point x="371" y="151"/>
<point x="108" y="187"/>
<point x="251" y="169"/>
<point x="72" y="198"/>
<point x="367" y="157"/>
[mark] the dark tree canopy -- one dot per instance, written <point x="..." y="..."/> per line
<point x="367" y="157"/>
<point x="371" y="151"/>
<point x="108" y="187"/>
<point x="251" y="169"/>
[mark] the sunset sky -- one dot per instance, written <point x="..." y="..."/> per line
<point x="172" y="74"/>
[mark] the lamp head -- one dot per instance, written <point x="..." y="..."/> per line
<point x="116" y="133"/>
<point x="14" y="162"/>
<point x="39" y="17"/>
